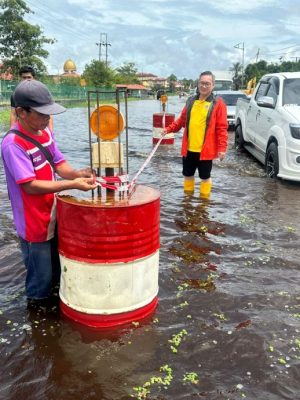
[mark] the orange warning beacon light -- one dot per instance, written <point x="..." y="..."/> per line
<point x="107" y="122"/>
<point x="163" y="98"/>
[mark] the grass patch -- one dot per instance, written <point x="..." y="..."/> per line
<point x="4" y="118"/>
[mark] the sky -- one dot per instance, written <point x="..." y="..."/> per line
<point x="164" y="37"/>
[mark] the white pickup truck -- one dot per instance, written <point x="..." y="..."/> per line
<point x="268" y="124"/>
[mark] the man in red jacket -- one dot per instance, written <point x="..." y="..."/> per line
<point x="204" y="119"/>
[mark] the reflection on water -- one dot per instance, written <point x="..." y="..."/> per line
<point x="227" y="324"/>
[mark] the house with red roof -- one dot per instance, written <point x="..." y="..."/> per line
<point x="134" y="89"/>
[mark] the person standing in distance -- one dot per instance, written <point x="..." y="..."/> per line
<point x="30" y="170"/>
<point x="205" y="137"/>
<point x="26" y="73"/>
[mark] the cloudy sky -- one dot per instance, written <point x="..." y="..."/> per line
<point x="165" y="37"/>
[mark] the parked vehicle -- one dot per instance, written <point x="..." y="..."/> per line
<point x="223" y="80"/>
<point x="230" y="98"/>
<point x="159" y="93"/>
<point x="223" y="84"/>
<point x="268" y="124"/>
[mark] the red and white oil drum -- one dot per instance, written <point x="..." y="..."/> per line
<point x="160" y="121"/>
<point x="109" y="253"/>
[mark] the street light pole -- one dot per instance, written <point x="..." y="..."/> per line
<point x="241" y="46"/>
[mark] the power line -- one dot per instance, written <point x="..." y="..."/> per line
<point x="47" y="14"/>
<point x="284" y="48"/>
<point x="280" y="56"/>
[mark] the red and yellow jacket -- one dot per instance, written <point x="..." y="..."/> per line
<point x="216" y="136"/>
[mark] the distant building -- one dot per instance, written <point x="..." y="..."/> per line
<point x="70" y="70"/>
<point x="178" y="85"/>
<point x="150" y="80"/>
<point x="134" y="90"/>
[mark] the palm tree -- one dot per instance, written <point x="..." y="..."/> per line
<point x="237" y="70"/>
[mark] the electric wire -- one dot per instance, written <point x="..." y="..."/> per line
<point x="47" y="14"/>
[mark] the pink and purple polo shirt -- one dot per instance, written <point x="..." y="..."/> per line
<point x="34" y="214"/>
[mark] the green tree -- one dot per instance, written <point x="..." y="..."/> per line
<point x="188" y="84"/>
<point x="97" y="74"/>
<point x="126" y="73"/>
<point x="172" y="79"/>
<point x="289" y="66"/>
<point x="20" y="42"/>
<point x="262" y="67"/>
<point x="256" y="70"/>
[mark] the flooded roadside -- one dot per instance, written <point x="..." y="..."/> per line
<point x="227" y="325"/>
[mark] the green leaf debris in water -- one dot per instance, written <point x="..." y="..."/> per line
<point x="176" y="340"/>
<point x="191" y="377"/>
<point x="143" y="391"/>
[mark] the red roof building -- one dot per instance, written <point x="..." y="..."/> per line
<point x="134" y="89"/>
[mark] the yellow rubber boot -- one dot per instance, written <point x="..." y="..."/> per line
<point x="189" y="185"/>
<point x="205" y="189"/>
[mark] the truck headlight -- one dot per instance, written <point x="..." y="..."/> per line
<point x="295" y="130"/>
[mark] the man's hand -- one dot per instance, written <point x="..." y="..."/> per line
<point x="221" y="155"/>
<point x="86" y="172"/>
<point x="84" y="184"/>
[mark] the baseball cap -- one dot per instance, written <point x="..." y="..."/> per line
<point x="35" y="95"/>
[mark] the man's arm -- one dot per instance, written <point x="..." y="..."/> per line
<point x="65" y="171"/>
<point x="179" y="123"/>
<point x="222" y="129"/>
<point x="45" y="187"/>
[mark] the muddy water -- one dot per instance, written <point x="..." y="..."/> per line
<point x="228" y="321"/>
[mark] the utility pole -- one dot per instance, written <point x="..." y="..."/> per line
<point x="105" y="44"/>
<point x="241" y="46"/>
<point x="99" y="44"/>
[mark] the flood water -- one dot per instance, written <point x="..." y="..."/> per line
<point x="228" y="321"/>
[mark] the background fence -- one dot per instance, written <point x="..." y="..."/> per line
<point x="64" y="93"/>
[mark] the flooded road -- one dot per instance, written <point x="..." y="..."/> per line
<point x="228" y="321"/>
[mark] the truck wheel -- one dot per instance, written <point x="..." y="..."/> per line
<point x="272" y="161"/>
<point x="239" y="139"/>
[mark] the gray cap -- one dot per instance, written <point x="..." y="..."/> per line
<point x="34" y="94"/>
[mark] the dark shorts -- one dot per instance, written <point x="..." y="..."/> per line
<point x="192" y="162"/>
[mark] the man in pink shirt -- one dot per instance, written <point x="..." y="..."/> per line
<point x="30" y="169"/>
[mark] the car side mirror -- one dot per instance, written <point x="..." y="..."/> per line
<point x="266" y="101"/>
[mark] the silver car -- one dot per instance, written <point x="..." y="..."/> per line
<point x="230" y="98"/>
